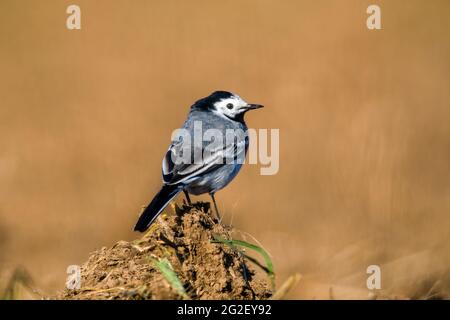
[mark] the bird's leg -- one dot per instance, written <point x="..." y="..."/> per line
<point x="188" y="199"/>
<point x="215" y="206"/>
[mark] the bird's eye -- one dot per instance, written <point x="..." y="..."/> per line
<point x="230" y="106"/>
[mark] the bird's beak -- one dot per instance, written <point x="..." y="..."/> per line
<point x="252" y="106"/>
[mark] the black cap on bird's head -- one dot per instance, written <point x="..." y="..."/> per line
<point x="225" y="104"/>
<point x="207" y="102"/>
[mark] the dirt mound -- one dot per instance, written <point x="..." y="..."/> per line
<point x="178" y="257"/>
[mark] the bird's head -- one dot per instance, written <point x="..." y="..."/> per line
<point x="225" y="104"/>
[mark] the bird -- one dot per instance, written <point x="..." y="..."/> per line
<point x="219" y="113"/>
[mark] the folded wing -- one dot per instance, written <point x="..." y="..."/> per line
<point x="177" y="169"/>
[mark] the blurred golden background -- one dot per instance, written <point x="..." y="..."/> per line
<point x="86" y="116"/>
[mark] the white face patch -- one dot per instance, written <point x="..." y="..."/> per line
<point x="230" y="107"/>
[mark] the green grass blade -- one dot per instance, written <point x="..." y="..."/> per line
<point x="269" y="265"/>
<point x="164" y="266"/>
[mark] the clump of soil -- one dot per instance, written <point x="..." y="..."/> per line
<point x="206" y="269"/>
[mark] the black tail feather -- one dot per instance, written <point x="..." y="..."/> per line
<point x="159" y="202"/>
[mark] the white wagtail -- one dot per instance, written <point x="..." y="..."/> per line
<point x="221" y="111"/>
